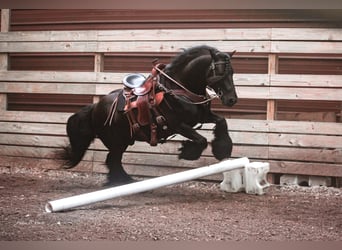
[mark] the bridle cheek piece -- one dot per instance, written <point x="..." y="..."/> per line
<point x="214" y="78"/>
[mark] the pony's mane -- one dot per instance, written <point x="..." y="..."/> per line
<point x="187" y="55"/>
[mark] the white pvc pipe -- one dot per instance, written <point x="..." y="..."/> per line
<point x="142" y="186"/>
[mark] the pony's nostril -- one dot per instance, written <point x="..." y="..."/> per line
<point x="232" y="101"/>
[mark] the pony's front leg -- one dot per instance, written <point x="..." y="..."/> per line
<point x="222" y="144"/>
<point x="193" y="148"/>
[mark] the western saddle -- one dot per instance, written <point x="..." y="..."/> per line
<point x="142" y="99"/>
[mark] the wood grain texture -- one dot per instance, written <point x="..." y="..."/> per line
<point x="311" y="148"/>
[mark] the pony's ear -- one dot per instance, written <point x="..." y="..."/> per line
<point x="232" y="53"/>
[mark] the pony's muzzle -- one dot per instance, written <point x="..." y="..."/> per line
<point x="229" y="101"/>
<point x="232" y="101"/>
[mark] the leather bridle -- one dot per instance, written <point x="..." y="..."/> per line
<point x="195" y="97"/>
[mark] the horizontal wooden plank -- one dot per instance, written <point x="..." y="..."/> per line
<point x="289" y="93"/>
<point x="307" y="116"/>
<point x="304" y="34"/>
<point x="131" y="46"/>
<point x="62" y="77"/>
<point x="259" y="152"/>
<point x="58" y="88"/>
<point x="306" y="154"/>
<point x="246" y="92"/>
<point x="290" y="80"/>
<point x="303" y="141"/>
<point x="253" y="92"/>
<point x="111" y="78"/>
<point x="10" y="47"/>
<point x="17" y="118"/>
<point x="46" y="36"/>
<point x="32" y="152"/>
<point x="32" y="128"/>
<point x="21" y="77"/>
<point x="244" y="139"/>
<point x="171" y="147"/>
<point x="295" y="127"/>
<point x="173" y="46"/>
<point x="251" y="79"/>
<point x="138" y="158"/>
<point x="29" y="116"/>
<point x="322" y="94"/>
<point x="152" y="171"/>
<point x="306" y="168"/>
<point x="191" y="34"/>
<point x="40" y="152"/>
<point x="17" y="162"/>
<point x="306" y="47"/>
<point x="47" y="88"/>
<point x="139" y="35"/>
<point x="303" y="168"/>
<point x="167" y="160"/>
<point x="32" y="140"/>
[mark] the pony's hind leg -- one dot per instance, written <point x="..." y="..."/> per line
<point x="116" y="175"/>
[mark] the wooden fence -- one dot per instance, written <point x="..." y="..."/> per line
<point x="28" y="139"/>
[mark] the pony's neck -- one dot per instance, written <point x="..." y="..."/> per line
<point x="193" y="74"/>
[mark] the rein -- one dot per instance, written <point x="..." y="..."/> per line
<point x="211" y="93"/>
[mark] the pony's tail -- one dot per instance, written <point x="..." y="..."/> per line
<point x="81" y="134"/>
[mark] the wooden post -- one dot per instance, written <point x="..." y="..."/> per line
<point x="5" y="20"/>
<point x="3" y="62"/>
<point x="5" y="26"/>
<point x="272" y="104"/>
<point x="99" y="62"/>
<point x="98" y="67"/>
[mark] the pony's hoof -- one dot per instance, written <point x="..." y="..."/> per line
<point x="222" y="148"/>
<point x="118" y="182"/>
<point x="190" y="151"/>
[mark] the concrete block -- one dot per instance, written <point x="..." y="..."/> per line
<point x="319" y="181"/>
<point x="256" y="177"/>
<point x="233" y="181"/>
<point x="302" y="180"/>
<point x="252" y="179"/>
<point x="289" y="179"/>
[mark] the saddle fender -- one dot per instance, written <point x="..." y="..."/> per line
<point x="143" y="106"/>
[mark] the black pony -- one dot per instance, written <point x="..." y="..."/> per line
<point x="185" y="103"/>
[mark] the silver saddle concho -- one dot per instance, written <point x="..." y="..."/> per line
<point x="134" y="80"/>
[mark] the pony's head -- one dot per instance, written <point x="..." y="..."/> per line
<point x="220" y="77"/>
<point x="203" y="66"/>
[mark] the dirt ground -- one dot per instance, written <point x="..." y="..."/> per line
<point x="196" y="211"/>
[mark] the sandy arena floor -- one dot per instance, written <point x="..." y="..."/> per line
<point x="196" y="211"/>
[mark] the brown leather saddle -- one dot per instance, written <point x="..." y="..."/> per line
<point x="142" y="105"/>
